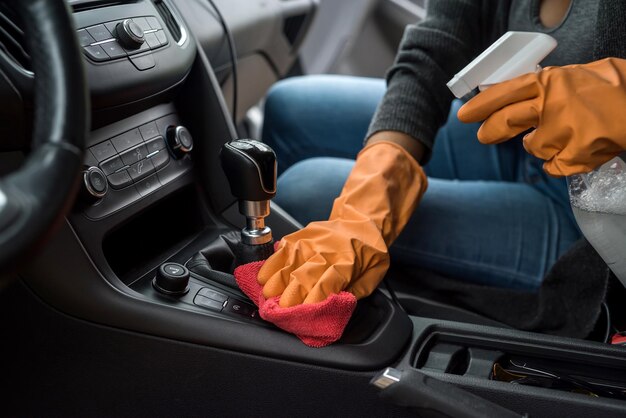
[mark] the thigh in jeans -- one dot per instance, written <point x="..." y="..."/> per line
<point x="495" y="233"/>
<point x="319" y="116"/>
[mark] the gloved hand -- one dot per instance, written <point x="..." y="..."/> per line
<point x="349" y="251"/>
<point x="577" y="111"/>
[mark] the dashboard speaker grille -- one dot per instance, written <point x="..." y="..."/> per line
<point x="12" y="41"/>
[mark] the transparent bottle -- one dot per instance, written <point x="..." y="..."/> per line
<point x="598" y="200"/>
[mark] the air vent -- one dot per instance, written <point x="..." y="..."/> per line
<point x="169" y="20"/>
<point x="12" y="41"/>
<point x="292" y="27"/>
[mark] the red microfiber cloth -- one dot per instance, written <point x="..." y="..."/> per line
<point x="316" y="324"/>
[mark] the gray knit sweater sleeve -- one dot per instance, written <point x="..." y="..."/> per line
<point x="417" y="100"/>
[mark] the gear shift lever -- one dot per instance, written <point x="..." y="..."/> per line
<point x="250" y="167"/>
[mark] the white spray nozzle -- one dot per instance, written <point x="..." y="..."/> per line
<point x="514" y="54"/>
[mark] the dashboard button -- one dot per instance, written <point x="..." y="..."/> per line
<point x="112" y="165"/>
<point x="90" y="160"/>
<point x="149" y="131"/>
<point x="144" y="47"/>
<point x="141" y="170"/>
<point x="99" y="33"/>
<point x="160" y="159"/>
<point x="103" y="150"/>
<point x="152" y="40"/>
<point x="212" y="294"/>
<point x="143" y="62"/>
<point x="127" y="140"/>
<point x="84" y="38"/>
<point x="96" y="53"/>
<point x="119" y="180"/>
<point x="153" y="22"/>
<point x="240" y="308"/>
<point x="142" y="23"/>
<point x="111" y="27"/>
<point x="134" y="155"/>
<point x="97" y="181"/>
<point x="161" y="37"/>
<point x="148" y="185"/>
<point x="95" y="184"/>
<point x="208" y="303"/>
<point x="155" y="145"/>
<point x="113" y="49"/>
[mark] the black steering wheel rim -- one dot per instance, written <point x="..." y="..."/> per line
<point x="37" y="196"/>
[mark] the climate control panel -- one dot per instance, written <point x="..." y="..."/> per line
<point x="134" y="164"/>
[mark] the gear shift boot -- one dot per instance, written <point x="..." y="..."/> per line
<point x="219" y="259"/>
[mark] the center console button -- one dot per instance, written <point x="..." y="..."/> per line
<point x="96" y="180"/>
<point x="208" y="303"/>
<point x="152" y="40"/>
<point x="103" y="150"/>
<point x="141" y="169"/>
<point x="134" y="155"/>
<point x="99" y="33"/>
<point x="155" y="145"/>
<point x="112" y="165"/>
<point x="148" y="185"/>
<point x="149" y="131"/>
<point x="161" y="37"/>
<point x="240" y="308"/>
<point x="144" y="47"/>
<point x="127" y="140"/>
<point x="96" y="53"/>
<point x="89" y="159"/>
<point x="112" y="25"/>
<point x="212" y="294"/>
<point x="113" y="49"/>
<point x="119" y="180"/>
<point x="84" y="38"/>
<point x="153" y="22"/>
<point x="95" y="185"/>
<point x="142" y="23"/>
<point x="160" y="159"/>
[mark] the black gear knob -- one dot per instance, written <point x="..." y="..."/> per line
<point x="250" y="167"/>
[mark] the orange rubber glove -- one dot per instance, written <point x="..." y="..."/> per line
<point x="349" y="251"/>
<point x="577" y="111"/>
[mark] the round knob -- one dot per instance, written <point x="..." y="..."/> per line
<point x="129" y="34"/>
<point x="179" y="140"/>
<point x="95" y="183"/>
<point x="172" y="279"/>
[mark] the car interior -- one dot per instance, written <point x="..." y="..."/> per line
<point x="116" y="289"/>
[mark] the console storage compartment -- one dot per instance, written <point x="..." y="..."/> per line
<point x="542" y="375"/>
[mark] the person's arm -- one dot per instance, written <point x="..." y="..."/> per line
<point x="417" y="100"/>
<point x="415" y="148"/>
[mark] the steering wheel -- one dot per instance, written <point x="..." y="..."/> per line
<point x="35" y="198"/>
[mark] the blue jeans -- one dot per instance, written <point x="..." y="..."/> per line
<point x="490" y="215"/>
